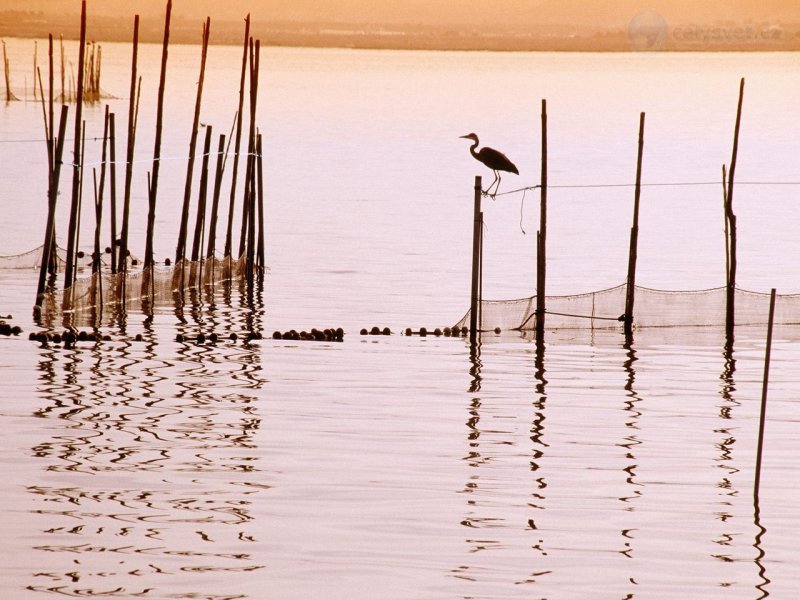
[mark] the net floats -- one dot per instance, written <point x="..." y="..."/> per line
<point x="8" y="330"/>
<point x="376" y="331"/>
<point x="315" y="335"/>
<point x="437" y="332"/>
<point x="213" y="338"/>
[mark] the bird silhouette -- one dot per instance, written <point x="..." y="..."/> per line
<point x="494" y="159"/>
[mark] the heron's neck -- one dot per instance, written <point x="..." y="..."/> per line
<point x="472" y="149"/>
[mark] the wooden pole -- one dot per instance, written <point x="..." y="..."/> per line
<point x="113" y="189"/>
<point x="251" y="144"/>
<point x="212" y="224"/>
<point x="237" y="145"/>
<point x="764" y="386"/>
<point x="64" y="99"/>
<point x="131" y="142"/>
<point x="261" y="263"/>
<point x="541" y="254"/>
<point x="633" y="252"/>
<point x="151" y="213"/>
<point x="201" y="201"/>
<point x="98" y="218"/>
<point x="76" y="151"/>
<point x="731" y="288"/>
<point x="99" y="194"/>
<point x="180" y="251"/>
<point x="48" y="248"/>
<point x="475" y="296"/>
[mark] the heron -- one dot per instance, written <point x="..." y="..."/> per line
<point x="494" y="159"/>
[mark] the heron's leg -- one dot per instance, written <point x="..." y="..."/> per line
<point x="488" y="190"/>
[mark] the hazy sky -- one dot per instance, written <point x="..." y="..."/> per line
<point x="603" y="13"/>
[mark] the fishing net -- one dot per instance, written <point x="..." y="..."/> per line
<point x="652" y="308"/>
<point x="142" y="291"/>
<point x="31" y="259"/>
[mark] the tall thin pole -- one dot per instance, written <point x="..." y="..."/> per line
<point x="49" y="232"/>
<point x="764" y="386"/>
<point x="99" y="194"/>
<point x="633" y="251"/>
<point x="180" y="251"/>
<point x="237" y="144"/>
<point x="112" y="140"/>
<point x="201" y="202"/>
<point x="260" y="259"/>
<point x="76" y="152"/>
<point x="475" y="295"/>
<point x="151" y="213"/>
<point x="731" y="289"/>
<point x="541" y="254"/>
<point x="212" y="224"/>
<point x="131" y="143"/>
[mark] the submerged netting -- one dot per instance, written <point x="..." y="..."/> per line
<point x="142" y="291"/>
<point x="652" y="308"/>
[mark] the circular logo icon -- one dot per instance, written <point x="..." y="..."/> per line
<point x="647" y="30"/>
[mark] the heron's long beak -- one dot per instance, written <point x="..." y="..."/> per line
<point x="463" y="136"/>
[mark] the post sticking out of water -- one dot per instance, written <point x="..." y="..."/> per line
<point x="229" y="230"/>
<point x="474" y="307"/>
<point x="764" y="386"/>
<point x="180" y="251"/>
<point x="131" y="143"/>
<point x="541" y="237"/>
<point x="151" y="214"/>
<point x="731" y="283"/>
<point x="112" y="140"/>
<point x="201" y="201"/>
<point x="212" y="223"/>
<point x="48" y="248"/>
<point x="633" y="252"/>
<point x="69" y="275"/>
<point x="260" y="253"/>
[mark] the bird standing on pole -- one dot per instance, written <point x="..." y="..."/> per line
<point x="494" y="159"/>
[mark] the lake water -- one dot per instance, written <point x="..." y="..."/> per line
<point x="407" y="467"/>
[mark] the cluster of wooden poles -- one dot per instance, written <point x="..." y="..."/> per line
<point x="251" y="241"/>
<point x="91" y="91"/>
<point x="541" y="240"/>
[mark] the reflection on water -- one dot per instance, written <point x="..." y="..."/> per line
<point x="155" y="448"/>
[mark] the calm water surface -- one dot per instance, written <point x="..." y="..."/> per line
<point x="399" y="467"/>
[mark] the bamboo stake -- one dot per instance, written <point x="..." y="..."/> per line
<point x="113" y="189"/>
<point x="261" y="263"/>
<point x="541" y="254"/>
<point x="131" y="143"/>
<point x="476" y="261"/>
<point x="237" y="145"/>
<point x="731" y="289"/>
<point x="153" y="195"/>
<point x="98" y="218"/>
<point x="248" y="218"/>
<point x="48" y="247"/>
<point x="180" y="251"/>
<point x="69" y="273"/>
<point x="201" y="200"/>
<point x="63" y="70"/>
<point x="99" y="195"/>
<point x="632" y="254"/>
<point x="212" y="224"/>
<point x="764" y="386"/>
<point x="50" y="99"/>
<point x="727" y="231"/>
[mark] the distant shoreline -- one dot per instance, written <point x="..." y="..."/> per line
<point x="710" y="38"/>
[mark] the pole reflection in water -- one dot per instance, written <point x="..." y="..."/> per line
<point x="630" y="442"/>
<point x="537" y="497"/>
<point x="162" y="474"/>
